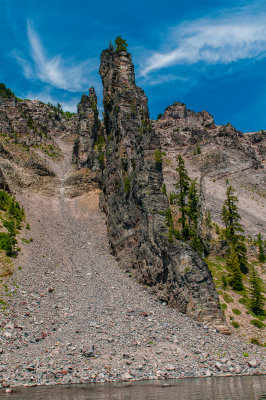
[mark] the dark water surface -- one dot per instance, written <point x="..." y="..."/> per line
<point x="223" y="388"/>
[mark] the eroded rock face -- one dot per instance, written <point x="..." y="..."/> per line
<point x="31" y="122"/>
<point x="134" y="203"/>
<point x="28" y="133"/>
<point x="217" y="152"/>
<point x="88" y="130"/>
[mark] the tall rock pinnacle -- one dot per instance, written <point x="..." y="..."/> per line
<point x="88" y="128"/>
<point x="134" y="203"/>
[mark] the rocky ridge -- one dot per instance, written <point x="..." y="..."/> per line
<point x="216" y="153"/>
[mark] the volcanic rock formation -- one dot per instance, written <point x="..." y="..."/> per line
<point x="88" y="129"/>
<point x="134" y="203"/>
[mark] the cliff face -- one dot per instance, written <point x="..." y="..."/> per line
<point x="217" y="152"/>
<point x="88" y="130"/>
<point x="31" y="122"/>
<point x="134" y="203"/>
<point x="28" y="134"/>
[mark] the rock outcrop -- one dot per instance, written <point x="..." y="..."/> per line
<point x="134" y="203"/>
<point x="89" y="130"/>
<point x="217" y="152"/>
<point x="32" y="122"/>
<point x="28" y="132"/>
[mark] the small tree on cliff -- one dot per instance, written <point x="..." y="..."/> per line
<point x="256" y="296"/>
<point x="261" y="255"/>
<point x="233" y="264"/>
<point x="193" y="211"/>
<point x="183" y="187"/>
<point x="233" y="229"/>
<point x="120" y="44"/>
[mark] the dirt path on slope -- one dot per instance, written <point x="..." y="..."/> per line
<point x="76" y="317"/>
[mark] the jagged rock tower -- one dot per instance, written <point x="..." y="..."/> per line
<point x="134" y="203"/>
<point x="88" y="128"/>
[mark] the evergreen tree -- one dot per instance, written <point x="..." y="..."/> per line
<point x="261" y="255"/>
<point x="233" y="228"/>
<point x="121" y="44"/>
<point x="183" y="187"/>
<point x="256" y="297"/>
<point x="193" y="213"/>
<point x="193" y="206"/>
<point x="233" y="264"/>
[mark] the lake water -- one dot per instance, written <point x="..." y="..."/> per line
<point x="223" y="388"/>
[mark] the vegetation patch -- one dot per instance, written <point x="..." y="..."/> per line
<point x="257" y="323"/>
<point x="235" y="324"/>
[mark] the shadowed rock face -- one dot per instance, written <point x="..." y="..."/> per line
<point x="88" y="129"/>
<point x="134" y="203"/>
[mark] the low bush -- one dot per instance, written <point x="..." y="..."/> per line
<point x="257" y="323"/>
<point x="236" y="311"/>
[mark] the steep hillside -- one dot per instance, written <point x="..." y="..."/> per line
<point x="218" y="156"/>
<point x="74" y="316"/>
<point x="217" y="153"/>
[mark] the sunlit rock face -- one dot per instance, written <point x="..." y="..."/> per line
<point x="134" y="203"/>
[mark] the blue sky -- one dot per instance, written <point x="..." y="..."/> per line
<point x="211" y="55"/>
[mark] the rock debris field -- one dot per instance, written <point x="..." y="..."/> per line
<point x="76" y="317"/>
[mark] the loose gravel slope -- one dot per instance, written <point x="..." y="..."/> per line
<point x="76" y="317"/>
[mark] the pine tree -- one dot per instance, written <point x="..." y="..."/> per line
<point x="261" y="255"/>
<point x="193" y="206"/>
<point x="256" y="297"/>
<point x="183" y="187"/>
<point x="193" y="213"/>
<point x="233" y="228"/>
<point x="233" y="264"/>
<point x="121" y="44"/>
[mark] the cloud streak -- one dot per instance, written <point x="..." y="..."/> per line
<point x="222" y="40"/>
<point x="58" y="72"/>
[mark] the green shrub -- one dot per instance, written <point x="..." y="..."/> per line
<point x="6" y="243"/>
<point x="224" y="281"/>
<point x="223" y="306"/>
<point x="5" y="92"/>
<point x="227" y="298"/>
<point x="159" y="116"/>
<point x="245" y="354"/>
<point x="235" y="324"/>
<point x="256" y="342"/>
<point x="243" y="301"/>
<point x="127" y="185"/>
<point x="101" y="160"/>
<point x="177" y="234"/>
<point x="99" y="143"/>
<point x="163" y="189"/>
<point x="170" y="235"/>
<point x="133" y="163"/>
<point x="158" y="158"/>
<point x="257" y="323"/>
<point x="236" y="311"/>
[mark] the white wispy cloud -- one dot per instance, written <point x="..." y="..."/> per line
<point x="230" y="37"/>
<point x="57" y="71"/>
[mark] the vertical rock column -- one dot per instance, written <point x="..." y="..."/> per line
<point x="89" y="130"/>
<point x="134" y="203"/>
